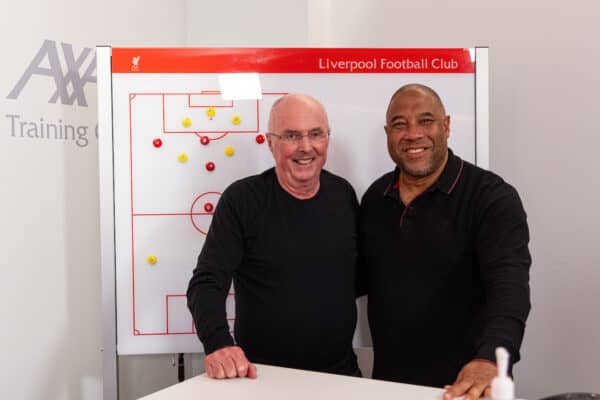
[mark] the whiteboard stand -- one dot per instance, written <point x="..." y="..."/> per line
<point x="107" y="226"/>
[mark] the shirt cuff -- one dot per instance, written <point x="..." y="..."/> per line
<point x="217" y="341"/>
<point x="487" y="352"/>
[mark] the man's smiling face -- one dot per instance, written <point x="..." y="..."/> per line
<point x="417" y="129"/>
<point x="298" y="163"/>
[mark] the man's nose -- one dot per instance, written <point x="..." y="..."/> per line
<point x="414" y="131"/>
<point x="304" y="143"/>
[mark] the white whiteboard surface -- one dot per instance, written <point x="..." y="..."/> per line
<point x="161" y="205"/>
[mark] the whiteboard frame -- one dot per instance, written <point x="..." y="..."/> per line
<point x="106" y="179"/>
<point x="482" y="108"/>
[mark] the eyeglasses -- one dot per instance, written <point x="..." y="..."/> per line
<point x="314" y="136"/>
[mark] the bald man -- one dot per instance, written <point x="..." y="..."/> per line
<point x="288" y="239"/>
<point x="445" y="244"/>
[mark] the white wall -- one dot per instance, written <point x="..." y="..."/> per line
<point x="544" y="62"/>
<point x="49" y="235"/>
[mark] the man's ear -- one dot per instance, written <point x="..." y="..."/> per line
<point x="269" y="142"/>
<point x="447" y="126"/>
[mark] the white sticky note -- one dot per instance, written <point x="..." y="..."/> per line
<point x="240" y="86"/>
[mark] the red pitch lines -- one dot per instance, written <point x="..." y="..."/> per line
<point x="186" y="214"/>
<point x="207" y="196"/>
<point x="215" y="138"/>
<point x="191" y="214"/>
<point x="131" y="97"/>
<point x="165" y="131"/>
<point x="207" y="93"/>
<point x="168" y="329"/>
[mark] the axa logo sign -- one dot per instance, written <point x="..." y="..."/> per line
<point x="80" y="70"/>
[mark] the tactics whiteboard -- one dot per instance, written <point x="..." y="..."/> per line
<point x="172" y="138"/>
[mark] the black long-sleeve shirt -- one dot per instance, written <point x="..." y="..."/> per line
<point x="448" y="274"/>
<point x="293" y="264"/>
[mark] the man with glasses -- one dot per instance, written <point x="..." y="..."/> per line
<point x="288" y="239"/>
<point x="445" y="244"/>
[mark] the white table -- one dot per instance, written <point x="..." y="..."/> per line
<point x="275" y="383"/>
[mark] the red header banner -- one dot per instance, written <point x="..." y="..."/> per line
<point x="292" y="60"/>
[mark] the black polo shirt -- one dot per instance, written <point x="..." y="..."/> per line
<point x="447" y="274"/>
<point x="293" y="264"/>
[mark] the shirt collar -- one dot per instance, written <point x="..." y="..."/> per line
<point x="451" y="174"/>
<point x="445" y="183"/>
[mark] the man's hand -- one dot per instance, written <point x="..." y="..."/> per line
<point x="229" y="362"/>
<point x="473" y="381"/>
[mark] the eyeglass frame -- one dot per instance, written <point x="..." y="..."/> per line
<point x="318" y="135"/>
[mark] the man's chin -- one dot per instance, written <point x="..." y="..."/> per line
<point x="415" y="171"/>
<point x="304" y="178"/>
<point x="305" y="174"/>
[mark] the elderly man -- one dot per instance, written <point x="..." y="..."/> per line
<point x="288" y="238"/>
<point x="445" y="244"/>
